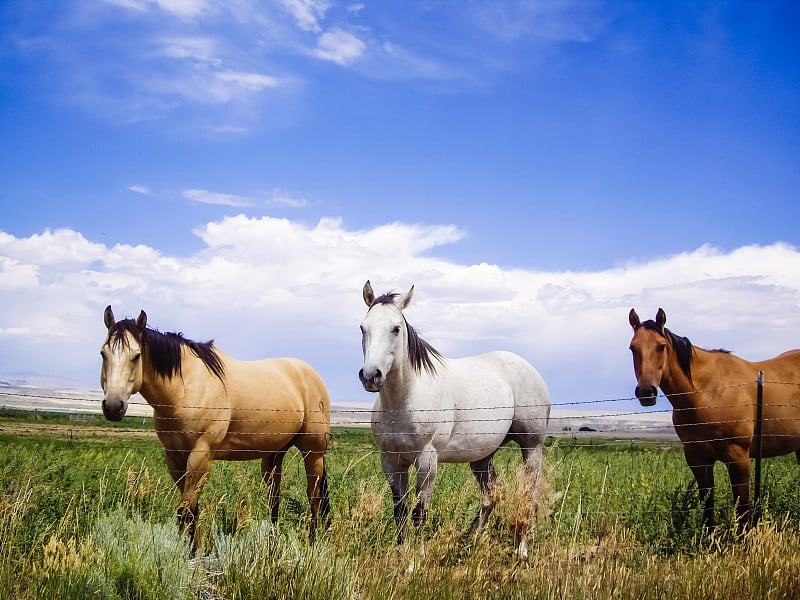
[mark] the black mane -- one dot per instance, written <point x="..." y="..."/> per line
<point x="164" y="349"/>
<point x="420" y="352"/>
<point x="682" y="346"/>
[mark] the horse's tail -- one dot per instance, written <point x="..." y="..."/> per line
<point x="324" y="495"/>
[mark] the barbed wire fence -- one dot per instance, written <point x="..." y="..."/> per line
<point x="587" y="423"/>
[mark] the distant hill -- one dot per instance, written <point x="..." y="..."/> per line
<point x="31" y="379"/>
<point x="33" y="391"/>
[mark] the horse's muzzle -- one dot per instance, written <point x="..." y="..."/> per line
<point x="114" y="410"/>
<point x="646" y="394"/>
<point x="372" y="382"/>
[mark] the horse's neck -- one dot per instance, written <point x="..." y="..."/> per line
<point x="163" y="394"/>
<point x="674" y="382"/>
<point x="679" y="388"/>
<point x="400" y="387"/>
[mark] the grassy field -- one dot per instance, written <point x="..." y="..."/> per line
<point x="88" y="511"/>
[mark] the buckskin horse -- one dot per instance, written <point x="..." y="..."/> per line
<point x="208" y="406"/>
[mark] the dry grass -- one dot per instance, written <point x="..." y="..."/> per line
<point x="122" y="541"/>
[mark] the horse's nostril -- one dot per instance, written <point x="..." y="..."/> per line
<point x="647" y="395"/>
<point x="377" y="376"/>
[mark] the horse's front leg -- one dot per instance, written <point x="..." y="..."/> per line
<point x="198" y="467"/>
<point x="738" y="465"/>
<point x="427" y="466"/>
<point x="397" y="474"/>
<point x="701" y="462"/>
<point x="177" y="461"/>
<point x="176" y="465"/>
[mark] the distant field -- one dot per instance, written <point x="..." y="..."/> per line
<point x="563" y="421"/>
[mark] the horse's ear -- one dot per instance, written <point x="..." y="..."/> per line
<point x="369" y="295"/>
<point x="108" y="317"/>
<point x="141" y="321"/>
<point x="661" y="319"/>
<point x="405" y="300"/>
<point x="634" y="319"/>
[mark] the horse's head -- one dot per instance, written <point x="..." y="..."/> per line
<point x="384" y="336"/>
<point x="121" y="373"/>
<point x="649" y="349"/>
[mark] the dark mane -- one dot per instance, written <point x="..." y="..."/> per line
<point x="164" y="349"/>
<point x="682" y="346"/>
<point x="387" y="298"/>
<point x="420" y="353"/>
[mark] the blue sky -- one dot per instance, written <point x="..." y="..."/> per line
<point x="238" y="169"/>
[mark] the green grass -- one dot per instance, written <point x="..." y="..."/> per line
<point x="90" y="512"/>
<point x="15" y="415"/>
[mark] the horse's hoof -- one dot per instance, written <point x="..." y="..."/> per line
<point x="522" y="550"/>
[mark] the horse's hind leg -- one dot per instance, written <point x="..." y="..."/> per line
<point x="316" y="489"/>
<point x="487" y="479"/>
<point x="532" y="462"/>
<point x="532" y="457"/>
<point x="271" y="471"/>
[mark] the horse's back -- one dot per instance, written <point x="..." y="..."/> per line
<point x="787" y="362"/>
<point x="285" y="385"/>
<point x="526" y="382"/>
<point x="525" y="390"/>
<point x="292" y="374"/>
<point x="531" y="396"/>
<point x="781" y="401"/>
<point x="727" y="410"/>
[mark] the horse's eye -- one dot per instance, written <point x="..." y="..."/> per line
<point x="662" y="347"/>
<point x="136" y="357"/>
<point x="396" y="330"/>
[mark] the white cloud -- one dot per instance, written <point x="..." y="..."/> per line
<point x="185" y="9"/>
<point x="339" y="46"/>
<point x="197" y="49"/>
<point x="229" y="129"/>
<point x="206" y="197"/>
<point x="268" y="286"/>
<point x="283" y="198"/>
<point x="307" y="13"/>
<point x="569" y="20"/>
<point x="254" y="82"/>
<point x="9" y="332"/>
<point x="200" y="72"/>
<point x="60" y="248"/>
<point x="139" y="189"/>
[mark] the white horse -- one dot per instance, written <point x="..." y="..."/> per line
<point x="430" y="408"/>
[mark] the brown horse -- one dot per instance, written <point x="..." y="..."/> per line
<point x="208" y="406"/>
<point x="713" y="395"/>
